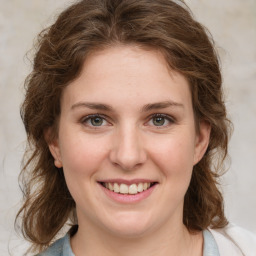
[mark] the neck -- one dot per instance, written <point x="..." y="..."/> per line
<point x="166" y="241"/>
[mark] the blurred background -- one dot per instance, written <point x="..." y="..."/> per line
<point x="233" y="26"/>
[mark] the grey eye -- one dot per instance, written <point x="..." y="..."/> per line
<point x="158" y="121"/>
<point x="96" y="121"/>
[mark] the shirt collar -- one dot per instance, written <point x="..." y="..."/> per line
<point x="210" y="245"/>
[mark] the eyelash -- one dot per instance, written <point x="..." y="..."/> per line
<point x="105" y="119"/>
<point x="170" y="119"/>
<point x="91" y="117"/>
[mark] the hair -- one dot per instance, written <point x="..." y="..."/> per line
<point x="91" y="25"/>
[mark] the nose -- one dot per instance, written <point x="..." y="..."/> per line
<point x="127" y="150"/>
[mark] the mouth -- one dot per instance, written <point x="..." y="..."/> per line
<point x="131" y="189"/>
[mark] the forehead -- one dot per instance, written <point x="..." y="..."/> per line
<point x="129" y="74"/>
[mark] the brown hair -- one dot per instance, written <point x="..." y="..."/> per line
<point x="80" y="30"/>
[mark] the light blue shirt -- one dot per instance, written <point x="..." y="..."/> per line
<point x="62" y="246"/>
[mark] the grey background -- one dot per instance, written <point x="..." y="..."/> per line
<point x="233" y="25"/>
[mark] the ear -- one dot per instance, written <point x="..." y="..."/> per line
<point x="54" y="148"/>
<point x="202" y="141"/>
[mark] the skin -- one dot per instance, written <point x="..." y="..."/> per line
<point x="125" y="81"/>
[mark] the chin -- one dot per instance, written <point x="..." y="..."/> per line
<point x="129" y="225"/>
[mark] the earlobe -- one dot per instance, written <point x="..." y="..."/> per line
<point x="55" y="151"/>
<point x="53" y="145"/>
<point x="58" y="163"/>
<point x="202" y="141"/>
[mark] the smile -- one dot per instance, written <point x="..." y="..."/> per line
<point x="131" y="189"/>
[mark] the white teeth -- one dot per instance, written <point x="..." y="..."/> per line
<point x="125" y="189"/>
<point x="133" y="189"/>
<point x="110" y="186"/>
<point x="140" y="187"/>
<point x="116" y="188"/>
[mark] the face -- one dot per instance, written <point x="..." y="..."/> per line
<point x="127" y="142"/>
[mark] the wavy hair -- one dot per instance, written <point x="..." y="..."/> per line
<point x="80" y="30"/>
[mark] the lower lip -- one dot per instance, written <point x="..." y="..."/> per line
<point x="128" y="198"/>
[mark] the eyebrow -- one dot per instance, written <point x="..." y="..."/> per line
<point x="97" y="106"/>
<point x="161" y="105"/>
<point x="146" y="108"/>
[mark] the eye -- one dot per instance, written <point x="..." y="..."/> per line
<point x="94" y="120"/>
<point x="160" y="120"/>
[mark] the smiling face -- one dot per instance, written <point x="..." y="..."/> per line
<point x="127" y="142"/>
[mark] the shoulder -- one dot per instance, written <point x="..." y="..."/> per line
<point x="235" y="239"/>
<point x="59" y="248"/>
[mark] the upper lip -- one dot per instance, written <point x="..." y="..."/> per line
<point x="127" y="182"/>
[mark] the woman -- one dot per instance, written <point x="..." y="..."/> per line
<point x="127" y="125"/>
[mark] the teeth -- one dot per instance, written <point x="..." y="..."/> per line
<point x="116" y="188"/>
<point x="133" y="189"/>
<point x="140" y="187"/>
<point x="127" y="189"/>
<point x="109" y="186"/>
<point x="124" y="189"/>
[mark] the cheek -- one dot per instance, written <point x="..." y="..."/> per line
<point x="174" y="155"/>
<point x="81" y="154"/>
<point x="82" y="158"/>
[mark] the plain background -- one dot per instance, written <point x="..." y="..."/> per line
<point x="233" y="25"/>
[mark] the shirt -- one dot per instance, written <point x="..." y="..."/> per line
<point x="62" y="246"/>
